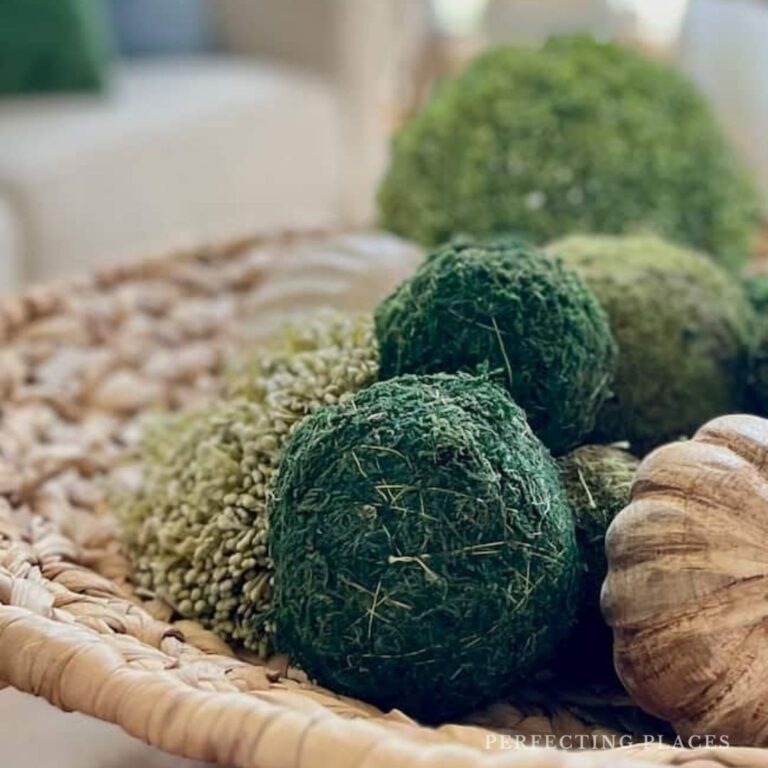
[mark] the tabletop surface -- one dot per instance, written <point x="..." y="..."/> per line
<point x="33" y="733"/>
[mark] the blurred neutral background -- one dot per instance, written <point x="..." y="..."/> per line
<point x="131" y="128"/>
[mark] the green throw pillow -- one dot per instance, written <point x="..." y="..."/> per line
<point x="52" y="45"/>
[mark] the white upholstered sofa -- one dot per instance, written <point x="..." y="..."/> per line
<point x="723" y="48"/>
<point x="286" y="128"/>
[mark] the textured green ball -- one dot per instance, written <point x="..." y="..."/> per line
<point x="578" y="136"/>
<point x="597" y="481"/>
<point x="684" y="330"/>
<point x="507" y="308"/>
<point x="756" y="287"/>
<point x="424" y="552"/>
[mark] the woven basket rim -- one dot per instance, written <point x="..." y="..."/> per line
<point x="40" y="299"/>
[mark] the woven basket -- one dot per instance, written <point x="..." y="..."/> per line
<point x="79" y="366"/>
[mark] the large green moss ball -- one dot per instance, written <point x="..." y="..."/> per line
<point x="597" y="481"/>
<point x="507" y="308"/>
<point x="579" y="136"/>
<point x="684" y="330"/>
<point x="424" y="551"/>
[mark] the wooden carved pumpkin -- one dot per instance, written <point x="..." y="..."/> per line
<point x="687" y="586"/>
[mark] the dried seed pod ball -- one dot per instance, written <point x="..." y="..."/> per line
<point x="330" y="349"/>
<point x="597" y="481"/>
<point x="578" y="136"/>
<point x="506" y="307"/>
<point x="684" y="330"/>
<point x="424" y="551"/>
<point x="197" y="528"/>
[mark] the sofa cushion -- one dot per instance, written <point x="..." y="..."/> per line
<point x="52" y="45"/>
<point x="144" y="27"/>
<point x="181" y="152"/>
<point x="10" y="249"/>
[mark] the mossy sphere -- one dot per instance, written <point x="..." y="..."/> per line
<point x="756" y="287"/>
<point x="684" y="330"/>
<point x="507" y="308"/>
<point x="597" y="481"/>
<point x="424" y="552"/>
<point x="578" y="136"/>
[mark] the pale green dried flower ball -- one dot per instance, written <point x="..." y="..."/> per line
<point x="197" y="529"/>
<point x="327" y="347"/>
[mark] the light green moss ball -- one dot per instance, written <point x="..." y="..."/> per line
<point x="578" y="136"/>
<point x="684" y="330"/>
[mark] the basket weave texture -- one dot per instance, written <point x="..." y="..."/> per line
<point x="79" y="366"/>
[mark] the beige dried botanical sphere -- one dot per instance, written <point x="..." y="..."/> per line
<point x="688" y="581"/>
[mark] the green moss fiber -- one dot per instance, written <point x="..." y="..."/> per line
<point x="756" y="287"/>
<point x="424" y="552"/>
<point x="684" y="330"/>
<point x="597" y="481"/>
<point x="507" y="308"/>
<point x="197" y="526"/>
<point x="578" y="136"/>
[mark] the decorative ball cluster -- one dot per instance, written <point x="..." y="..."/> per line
<point x="597" y="481"/>
<point x="198" y="529"/>
<point x="684" y="329"/>
<point x="578" y="136"/>
<point x="376" y="497"/>
<point x="424" y="550"/>
<point x="506" y="308"/>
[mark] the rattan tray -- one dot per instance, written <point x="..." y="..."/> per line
<point x="79" y="365"/>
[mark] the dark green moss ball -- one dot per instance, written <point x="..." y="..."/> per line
<point x="505" y="307"/>
<point x="597" y="481"/>
<point x="424" y="551"/>
<point x="684" y="330"/>
<point x="578" y="136"/>
<point x="756" y="287"/>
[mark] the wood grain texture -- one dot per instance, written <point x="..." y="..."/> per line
<point x="688" y="579"/>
